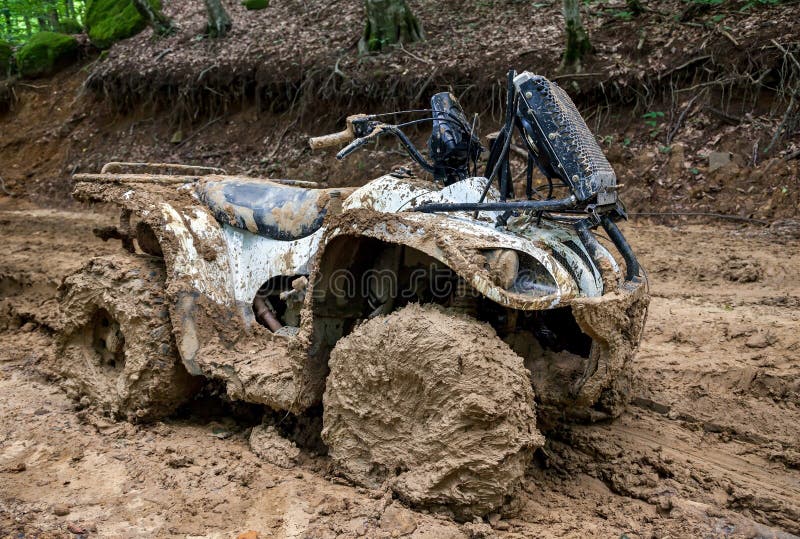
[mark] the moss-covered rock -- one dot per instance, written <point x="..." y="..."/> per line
<point x="6" y="54"/>
<point x="70" y="26"/>
<point x="255" y="4"/>
<point x="108" y="21"/>
<point x="45" y="53"/>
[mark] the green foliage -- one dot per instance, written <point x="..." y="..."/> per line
<point x="109" y="21"/>
<point x="6" y="55"/>
<point x="21" y="19"/>
<point x="45" y="53"/>
<point x="255" y="4"/>
<point x="651" y="118"/>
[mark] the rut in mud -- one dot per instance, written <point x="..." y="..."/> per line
<point x="708" y="446"/>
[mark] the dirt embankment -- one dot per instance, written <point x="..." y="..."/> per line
<point x="674" y="101"/>
<point x="708" y="447"/>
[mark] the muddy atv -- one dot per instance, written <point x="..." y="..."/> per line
<point x="436" y="322"/>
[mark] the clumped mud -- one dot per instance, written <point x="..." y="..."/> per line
<point x="115" y="348"/>
<point x="434" y="404"/>
<point x="267" y="443"/>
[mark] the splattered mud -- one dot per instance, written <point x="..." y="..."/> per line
<point x="709" y="446"/>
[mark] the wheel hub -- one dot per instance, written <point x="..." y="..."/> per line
<point x="107" y="341"/>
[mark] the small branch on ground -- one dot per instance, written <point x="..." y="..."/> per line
<point x="162" y="54"/>
<point x="785" y="121"/>
<point x="684" y="65"/>
<point x="733" y="120"/>
<point x="699" y="214"/>
<point x="280" y="138"/>
<point x="682" y="116"/>
<point x="411" y="54"/>
<point x="205" y="126"/>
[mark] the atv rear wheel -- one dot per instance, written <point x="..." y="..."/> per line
<point x="115" y="347"/>
<point x="435" y="403"/>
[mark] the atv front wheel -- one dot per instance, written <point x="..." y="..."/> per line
<point x="115" y="347"/>
<point x="435" y="403"/>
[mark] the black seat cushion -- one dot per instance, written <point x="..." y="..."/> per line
<point x="273" y="210"/>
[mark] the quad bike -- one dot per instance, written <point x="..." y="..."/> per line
<point x="436" y="322"/>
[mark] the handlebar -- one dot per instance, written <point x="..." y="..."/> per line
<point x="337" y="139"/>
<point x="361" y="129"/>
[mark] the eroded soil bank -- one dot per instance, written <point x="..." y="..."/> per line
<point x="709" y="446"/>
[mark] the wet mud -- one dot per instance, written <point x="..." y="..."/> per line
<point x="707" y="447"/>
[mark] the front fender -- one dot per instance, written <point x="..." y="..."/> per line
<point x="458" y="244"/>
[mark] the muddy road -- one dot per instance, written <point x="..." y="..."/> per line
<point x="709" y="446"/>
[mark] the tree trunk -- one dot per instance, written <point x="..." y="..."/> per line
<point x="388" y="22"/>
<point x="219" y="23"/>
<point x="52" y="17"/>
<point x="7" y="17"/>
<point x="160" y="22"/>
<point x="635" y="7"/>
<point x="577" y="44"/>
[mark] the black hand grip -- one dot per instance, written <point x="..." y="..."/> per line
<point x="353" y="146"/>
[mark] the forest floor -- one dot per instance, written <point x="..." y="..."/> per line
<point x="708" y="447"/>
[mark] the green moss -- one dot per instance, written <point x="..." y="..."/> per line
<point x="255" y="4"/>
<point x="70" y="26"/>
<point x="6" y="54"/>
<point x="108" y="21"/>
<point x="45" y="53"/>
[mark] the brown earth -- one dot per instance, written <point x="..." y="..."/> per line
<point x="709" y="446"/>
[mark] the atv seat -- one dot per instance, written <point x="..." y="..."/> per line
<point x="270" y="209"/>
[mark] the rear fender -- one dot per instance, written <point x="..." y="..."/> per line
<point x="215" y="332"/>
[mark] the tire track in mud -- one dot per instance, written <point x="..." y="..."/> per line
<point x="649" y="457"/>
<point x="733" y="466"/>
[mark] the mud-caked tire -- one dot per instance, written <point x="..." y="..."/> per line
<point x="115" y="350"/>
<point x="433" y="404"/>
